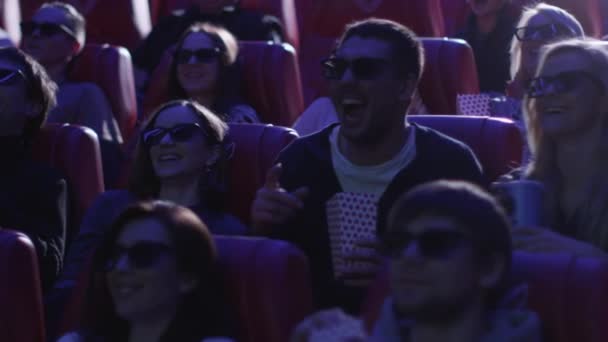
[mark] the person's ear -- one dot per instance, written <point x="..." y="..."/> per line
<point x="407" y="89"/>
<point x="75" y="48"/>
<point x="214" y="155"/>
<point x="491" y="271"/>
<point x="188" y="283"/>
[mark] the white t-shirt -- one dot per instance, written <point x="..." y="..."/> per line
<point x="372" y="179"/>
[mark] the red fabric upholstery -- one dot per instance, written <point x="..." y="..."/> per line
<point x="270" y="82"/>
<point x="118" y="22"/>
<point x="285" y="10"/>
<point x="497" y="142"/>
<point x="569" y="294"/>
<point x="268" y="283"/>
<point x="256" y="148"/>
<point x="449" y="70"/>
<point x="73" y="151"/>
<point x="455" y="15"/>
<point x="21" y="311"/>
<point x="10" y="17"/>
<point x="321" y="22"/>
<point x="110" y="67"/>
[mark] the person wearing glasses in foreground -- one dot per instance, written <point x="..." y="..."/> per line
<point x="204" y="69"/>
<point x="566" y="114"/>
<point x="157" y="280"/>
<point x="181" y="157"/>
<point x="54" y="37"/>
<point x="34" y="196"/>
<point x="369" y="152"/>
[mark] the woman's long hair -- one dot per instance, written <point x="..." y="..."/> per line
<point x="200" y="313"/>
<point x="144" y="183"/>
<point x="228" y="88"/>
<point x="591" y="220"/>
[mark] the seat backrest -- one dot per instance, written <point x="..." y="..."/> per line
<point x="449" y="70"/>
<point x="73" y="151"/>
<point x="256" y="149"/>
<point x="496" y="142"/>
<point x="284" y="10"/>
<point x="110" y="68"/>
<point x="570" y="295"/>
<point x="321" y="22"/>
<point x="118" y="22"/>
<point x="270" y="82"/>
<point x="268" y="282"/>
<point x="10" y="17"/>
<point x="21" y="310"/>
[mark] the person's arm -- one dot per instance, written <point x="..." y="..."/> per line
<point x="47" y="229"/>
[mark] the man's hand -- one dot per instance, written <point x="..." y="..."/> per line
<point x="274" y="205"/>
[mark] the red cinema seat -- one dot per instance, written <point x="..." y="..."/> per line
<point x="21" y="310"/>
<point x="256" y="149"/>
<point x="267" y="285"/>
<point x="10" y="18"/>
<point x="73" y="151"/>
<point x="569" y="294"/>
<point x="449" y="70"/>
<point x="117" y="22"/>
<point x="284" y="10"/>
<point x="110" y="67"/>
<point x="321" y="22"/>
<point x="496" y="142"/>
<point x="268" y="282"/>
<point x="270" y="82"/>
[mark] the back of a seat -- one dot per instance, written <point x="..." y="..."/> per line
<point x="268" y="283"/>
<point x="496" y="142"/>
<point x="73" y="151"/>
<point x="10" y="17"/>
<point x="118" y="22"/>
<point x="21" y="310"/>
<point x="110" y="68"/>
<point x="449" y="70"/>
<point x="270" y="82"/>
<point x="321" y="22"/>
<point x="256" y="149"/>
<point x="570" y="295"/>
<point x="284" y="10"/>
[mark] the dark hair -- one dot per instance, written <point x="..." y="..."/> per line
<point x="40" y="89"/>
<point x="76" y="20"/>
<point x="199" y="313"/>
<point x="144" y="183"/>
<point x="228" y="87"/>
<point x="407" y="51"/>
<point x="469" y="205"/>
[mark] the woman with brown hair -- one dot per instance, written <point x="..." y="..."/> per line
<point x="154" y="279"/>
<point x="204" y="69"/>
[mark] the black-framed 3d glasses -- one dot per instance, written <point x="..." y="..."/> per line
<point x="561" y="83"/>
<point x="542" y="33"/>
<point x="179" y="133"/>
<point x="140" y="255"/>
<point x="46" y="29"/>
<point x="205" y="55"/>
<point x="363" y="68"/>
<point x="432" y="244"/>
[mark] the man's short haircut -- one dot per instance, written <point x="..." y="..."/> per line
<point x="471" y="207"/>
<point x="40" y="88"/>
<point x="76" y="20"/>
<point x="407" y="50"/>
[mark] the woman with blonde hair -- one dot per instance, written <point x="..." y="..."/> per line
<point x="566" y="112"/>
<point x="539" y="25"/>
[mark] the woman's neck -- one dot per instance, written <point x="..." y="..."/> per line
<point x="466" y="326"/>
<point x="150" y="329"/>
<point x="206" y="100"/>
<point x="57" y="72"/>
<point x="181" y="191"/>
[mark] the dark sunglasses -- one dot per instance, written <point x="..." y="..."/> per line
<point x="179" y="133"/>
<point x="45" y="29"/>
<point x="561" y="83"/>
<point x="543" y="32"/>
<point x="10" y="76"/>
<point x="201" y="55"/>
<point x="141" y="255"/>
<point x="363" y="69"/>
<point x="433" y="244"/>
